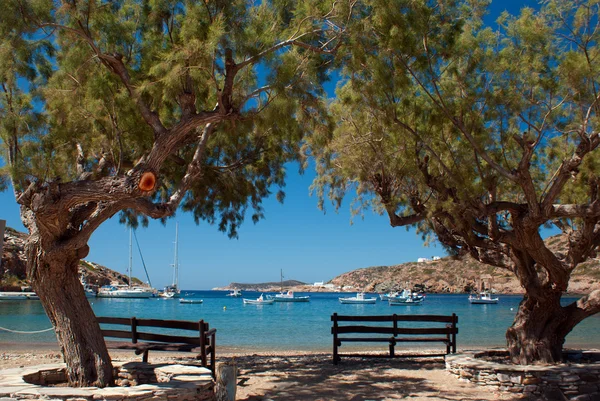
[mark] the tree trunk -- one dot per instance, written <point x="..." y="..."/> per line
<point x="538" y="333"/>
<point x="55" y="279"/>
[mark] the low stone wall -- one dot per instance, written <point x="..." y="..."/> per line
<point x="138" y="381"/>
<point x="571" y="381"/>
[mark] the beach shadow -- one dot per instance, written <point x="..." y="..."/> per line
<point x="315" y="378"/>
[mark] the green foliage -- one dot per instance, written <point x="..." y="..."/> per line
<point x="60" y="93"/>
<point x="434" y="111"/>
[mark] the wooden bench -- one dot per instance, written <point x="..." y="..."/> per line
<point x="386" y="329"/>
<point x="143" y="337"/>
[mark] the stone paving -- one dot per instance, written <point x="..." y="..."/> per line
<point x="139" y="381"/>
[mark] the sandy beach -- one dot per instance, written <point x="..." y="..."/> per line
<point x="309" y="376"/>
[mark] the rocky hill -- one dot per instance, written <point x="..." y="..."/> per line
<point x="267" y="287"/>
<point x="446" y="275"/>
<point x="450" y="275"/>
<point x="14" y="274"/>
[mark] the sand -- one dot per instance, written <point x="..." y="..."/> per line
<point x="311" y="376"/>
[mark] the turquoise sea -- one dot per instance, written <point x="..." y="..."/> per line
<point x="290" y="326"/>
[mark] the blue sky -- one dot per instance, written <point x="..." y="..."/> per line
<point x="295" y="236"/>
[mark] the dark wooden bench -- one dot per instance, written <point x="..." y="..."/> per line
<point x="386" y="329"/>
<point x="144" y="337"/>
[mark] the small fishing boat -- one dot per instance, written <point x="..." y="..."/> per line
<point x="392" y="294"/>
<point x="235" y="293"/>
<point x="258" y="301"/>
<point x="289" y="297"/>
<point x="405" y="301"/>
<point x="482" y="298"/>
<point x="190" y="301"/>
<point x="358" y="299"/>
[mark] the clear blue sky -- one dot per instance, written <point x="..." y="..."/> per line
<point x="295" y="236"/>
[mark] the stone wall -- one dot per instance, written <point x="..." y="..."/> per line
<point x="571" y="381"/>
<point x="138" y="382"/>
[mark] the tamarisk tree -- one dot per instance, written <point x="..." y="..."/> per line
<point x="479" y="137"/>
<point x="144" y="107"/>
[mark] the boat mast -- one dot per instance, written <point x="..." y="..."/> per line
<point x="130" y="255"/>
<point x="176" y="261"/>
<point x="281" y="281"/>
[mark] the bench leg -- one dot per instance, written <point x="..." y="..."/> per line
<point x="392" y="345"/>
<point x="145" y="356"/>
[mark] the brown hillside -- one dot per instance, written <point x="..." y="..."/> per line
<point x="449" y="275"/>
<point x="14" y="275"/>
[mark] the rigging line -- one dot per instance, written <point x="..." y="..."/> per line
<point x="26" y="332"/>
<point x="142" y="257"/>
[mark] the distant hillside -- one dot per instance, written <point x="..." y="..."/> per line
<point x="449" y="275"/>
<point x="14" y="274"/>
<point x="270" y="286"/>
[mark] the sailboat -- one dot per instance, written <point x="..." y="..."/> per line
<point x="172" y="291"/>
<point x="122" y="290"/>
<point x="288" y="296"/>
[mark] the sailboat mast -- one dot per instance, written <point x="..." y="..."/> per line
<point x="281" y="280"/>
<point x="176" y="261"/>
<point x="130" y="255"/>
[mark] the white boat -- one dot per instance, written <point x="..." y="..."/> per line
<point x="172" y="291"/>
<point x="482" y="298"/>
<point x="123" y="290"/>
<point x="408" y="295"/>
<point x="358" y="299"/>
<point x="18" y="296"/>
<point x="404" y="301"/>
<point x="190" y="301"/>
<point x="288" y="297"/>
<point x="235" y="293"/>
<point x="258" y="301"/>
<point x="392" y="294"/>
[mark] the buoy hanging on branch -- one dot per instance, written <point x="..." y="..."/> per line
<point x="147" y="182"/>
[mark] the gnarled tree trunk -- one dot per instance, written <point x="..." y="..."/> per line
<point x="54" y="277"/>
<point x="538" y="333"/>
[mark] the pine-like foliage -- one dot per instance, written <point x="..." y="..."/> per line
<point x="479" y="137"/>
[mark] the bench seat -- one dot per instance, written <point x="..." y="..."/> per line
<point x="386" y="329"/>
<point x="145" y="335"/>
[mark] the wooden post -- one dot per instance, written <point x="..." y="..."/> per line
<point x="134" y="335"/>
<point x="334" y="331"/>
<point x="226" y="381"/>
<point x="203" y="329"/>
<point x="454" y="321"/>
<point x="2" y="226"/>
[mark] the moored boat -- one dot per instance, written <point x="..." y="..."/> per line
<point x="358" y="299"/>
<point x="289" y="297"/>
<point x="190" y="301"/>
<point x="482" y="298"/>
<point x="235" y="293"/>
<point x="124" y="291"/>
<point x="258" y="301"/>
<point x="392" y="294"/>
<point x="18" y="296"/>
<point x="400" y="301"/>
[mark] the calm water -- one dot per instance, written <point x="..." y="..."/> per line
<point x="290" y="326"/>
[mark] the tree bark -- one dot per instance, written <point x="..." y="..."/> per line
<point x="538" y="333"/>
<point x="55" y="279"/>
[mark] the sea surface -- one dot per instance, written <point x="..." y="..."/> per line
<point x="286" y="326"/>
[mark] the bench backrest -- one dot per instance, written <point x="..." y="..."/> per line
<point x="134" y="333"/>
<point x="394" y="328"/>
